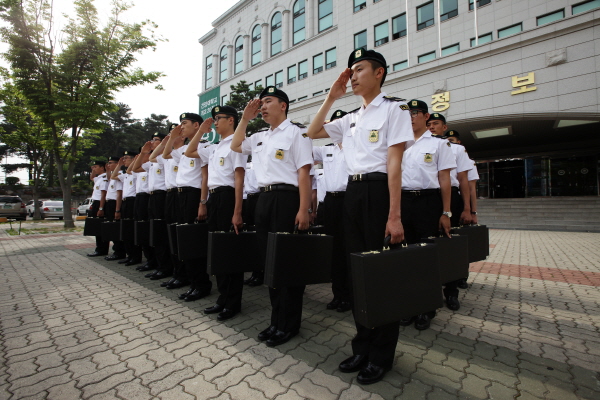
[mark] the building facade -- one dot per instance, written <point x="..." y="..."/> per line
<point x="519" y="79"/>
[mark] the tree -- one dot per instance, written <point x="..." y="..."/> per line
<point x="69" y="78"/>
<point x="241" y="94"/>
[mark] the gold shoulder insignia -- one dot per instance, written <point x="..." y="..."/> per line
<point x="304" y="135"/>
<point x="404" y="107"/>
<point x="448" y="143"/>
<point x="298" y="124"/>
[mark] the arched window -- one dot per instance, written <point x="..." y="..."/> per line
<point x="325" y="14"/>
<point x="299" y="22"/>
<point x="276" y="34"/>
<point x="256" y="45"/>
<point x="239" y="55"/>
<point x="223" y="64"/>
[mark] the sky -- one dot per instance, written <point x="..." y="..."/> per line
<point x="182" y="22"/>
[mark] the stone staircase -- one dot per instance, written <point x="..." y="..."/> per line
<point x="575" y="214"/>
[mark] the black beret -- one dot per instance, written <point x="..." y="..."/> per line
<point x="418" y="105"/>
<point x="364" y="54"/>
<point x="114" y="159"/>
<point x="159" y="135"/>
<point x="172" y="126"/>
<point x="452" y="133"/>
<point x="273" y="91"/>
<point x="227" y="110"/>
<point x="99" y="163"/>
<point x="130" y="153"/>
<point x="437" y="117"/>
<point x="192" y="117"/>
<point x="337" y="114"/>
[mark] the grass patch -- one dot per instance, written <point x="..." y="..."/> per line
<point x="45" y="230"/>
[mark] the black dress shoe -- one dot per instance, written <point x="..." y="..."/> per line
<point x="166" y="283"/>
<point x="462" y="284"/>
<point x="344" y="306"/>
<point x="143" y="267"/>
<point x="333" y="304"/>
<point x="255" y="282"/>
<point x="371" y="374"/>
<point x="226" y="314"/>
<point x="149" y="274"/>
<point x="452" y="303"/>
<point x="423" y="322"/>
<point x="132" y="262"/>
<point x="280" y="337"/>
<point x="354" y="363"/>
<point x="160" y="275"/>
<point x="247" y="281"/>
<point x="114" y="257"/>
<point x="177" y="284"/>
<point x="267" y="333"/>
<point x="197" y="294"/>
<point x="406" y="321"/>
<point x="124" y="261"/>
<point x="96" y="254"/>
<point x="214" y="309"/>
<point x="183" y="295"/>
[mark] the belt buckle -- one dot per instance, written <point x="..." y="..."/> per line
<point x="211" y="191"/>
<point x="417" y="192"/>
<point x="268" y="188"/>
<point x="356" y="177"/>
<point x="179" y="189"/>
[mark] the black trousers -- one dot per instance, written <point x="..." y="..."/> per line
<point x="456" y="207"/>
<point x="171" y="217"/>
<point x="101" y="247"/>
<point x="141" y="214"/>
<point x="156" y="210"/>
<point x="333" y="219"/>
<point x="248" y="214"/>
<point x="128" y="211"/>
<point x="220" y="212"/>
<point x="189" y="201"/>
<point x="366" y="209"/>
<point x="320" y="220"/>
<point x="109" y="215"/>
<point x="276" y="212"/>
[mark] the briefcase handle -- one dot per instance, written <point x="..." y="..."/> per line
<point x="387" y="245"/>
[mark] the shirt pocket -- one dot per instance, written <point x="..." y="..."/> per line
<point x="428" y="158"/>
<point x="348" y="140"/>
<point x="280" y="152"/>
<point x="370" y="132"/>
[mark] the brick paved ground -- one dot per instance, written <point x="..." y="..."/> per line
<point x="76" y="328"/>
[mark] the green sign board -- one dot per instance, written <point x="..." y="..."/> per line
<point x="209" y="100"/>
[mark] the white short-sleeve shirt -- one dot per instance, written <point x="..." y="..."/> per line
<point x="463" y="163"/>
<point x="156" y="175"/>
<point x="113" y="187"/>
<point x="171" y="168"/>
<point x="99" y="186"/>
<point x="250" y="183"/>
<point x="473" y="174"/>
<point x="423" y="160"/>
<point x="334" y="167"/>
<point x="222" y="163"/>
<point x="141" y="182"/>
<point x="189" y="173"/>
<point x="128" y="181"/>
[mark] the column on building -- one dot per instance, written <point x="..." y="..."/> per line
<point x="309" y="15"/>
<point x="216" y="66"/>
<point x="230" y="58"/>
<point x="266" y="39"/>
<point x="287" y="29"/>
<point x="247" y="52"/>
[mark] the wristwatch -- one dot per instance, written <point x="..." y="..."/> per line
<point x="101" y="209"/>
<point x="203" y="201"/>
<point x="310" y="210"/>
<point x="474" y="212"/>
<point x="118" y="211"/>
<point x="447" y="214"/>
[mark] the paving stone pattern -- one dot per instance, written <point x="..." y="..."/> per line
<point x="78" y="328"/>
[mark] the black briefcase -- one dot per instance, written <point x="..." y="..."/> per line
<point x="92" y="226"/>
<point x="127" y="232"/>
<point x="479" y="241"/>
<point x="317" y="229"/>
<point x="110" y="231"/>
<point x="192" y="241"/>
<point x="453" y="256"/>
<point x="397" y="283"/>
<point x="230" y="253"/>
<point x="172" y="236"/>
<point x="158" y="232"/>
<point x="296" y="259"/>
<point x="141" y="236"/>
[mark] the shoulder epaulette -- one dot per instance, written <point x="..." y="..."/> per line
<point x="203" y="140"/>
<point x="353" y="111"/>
<point x="437" y="136"/>
<point x="305" y="135"/>
<point x="298" y="124"/>
<point x="217" y="142"/>
<point x="330" y="144"/>
<point x="392" y="98"/>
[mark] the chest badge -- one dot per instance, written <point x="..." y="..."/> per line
<point x="144" y="178"/>
<point x="192" y="163"/>
<point x="428" y="158"/>
<point x="158" y="171"/>
<point x="97" y="187"/>
<point x="222" y="161"/>
<point x="374" y="136"/>
<point x="130" y="183"/>
<point x="175" y="168"/>
<point x="112" y="186"/>
<point x="279" y="154"/>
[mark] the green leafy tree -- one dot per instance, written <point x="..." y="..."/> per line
<point x="69" y="78"/>
<point x="241" y="94"/>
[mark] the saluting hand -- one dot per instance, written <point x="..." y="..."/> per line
<point x="176" y="132"/>
<point x="205" y="126"/>
<point x="338" y="89"/>
<point x="251" y="110"/>
<point x="147" y="147"/>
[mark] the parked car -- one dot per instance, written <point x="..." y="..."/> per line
<point x="30" y="208"/>
<point x="84" y="207"/>
<point x="52" y="209"/>
<point x="12" y="207"/>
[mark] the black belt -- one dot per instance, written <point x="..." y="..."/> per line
<point x="454" y="189"/>
<point x="142" y="194"/>
<point x="111" y="200"/>
<point x="373" y="176"/>
<point x="220" y="189"/>
<point x="157" y="191"/>
<point x="248" y="195"/>
<point x="186" y="189"/>
<point x="279" y="186"/>
<point x="171" y="190"/>
<point x="422" y="192"/>
<point x="335" y="194"/>
<point x="130" y="197"/>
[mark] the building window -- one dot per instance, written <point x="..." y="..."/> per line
<point x="270" y="81"/>
<point x="330" y="60"/>
<point x="360" y="40"/>
<point x="359" y="5"/>
<point x="299" y="22"/>
<point x="302" y="98"/>
<point x="585" y="6"/>
<point x="400" y="65"/>
<point x="223" y="64"/>
<point x="251" y="86"/>
<point x="258" y="84"/>
<point x="426" y="57"/>
<point x="256" y="45"/>
<point x="425" y="15"/>
<point x="239" y="55"/>
<point x="555" y="16"/>
<point x="480" y="3"/>
<point x="279" y="79"/>
<point x="325" y="14"/>
<point x="448" y="9"/>
<point x="446" y="51"/>
<point x="317" y="93"/>
<point x="399" y="26"/>
<point x="276" y="34"/>
<point x="318" y="63"/>
<point x="302" y="70"/>
<point x="209" y="72"/>
<point x="483" y="39"/>
<point x="291" y="74"/>
<point x="510" y="30"/>
<point x="382" y="34"/>
<point x="224" y="100"/>
<point x="292" y="101"/>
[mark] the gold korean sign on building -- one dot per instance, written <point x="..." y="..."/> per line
<point x="522" y="84"/>
<point x="440" y="102"/>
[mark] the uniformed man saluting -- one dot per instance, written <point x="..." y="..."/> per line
<point x="98" y="176"/>
<point x="373" y="138"/>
